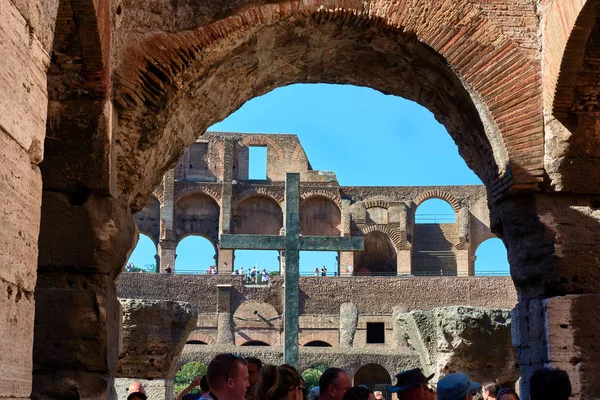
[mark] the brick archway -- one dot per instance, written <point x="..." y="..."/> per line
<point x="438" y="194"/>
<point x="201" y="337"/>
<point x="144" y="78"/>
<point x="330" y="338"/>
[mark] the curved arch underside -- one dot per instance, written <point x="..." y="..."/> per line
<point x="378" y="256"/>
<point x="259" y="215"/>
<point x="320" y="216"/>
<point x="197" y="214"/>
<point x="166" y="100"/>
<point x="372" y="374"/>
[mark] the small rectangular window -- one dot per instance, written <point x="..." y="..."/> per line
<point x="375" y="332"/>
<point x="258" y="163"/>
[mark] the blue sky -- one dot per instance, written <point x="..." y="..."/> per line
<point x="367" y="138"/>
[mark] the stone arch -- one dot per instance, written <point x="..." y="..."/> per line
<point x="258" y="215"/>
<point x="378" y="257"/>
<point x="275" y="193"/>
<point x="320" y="216"/>
<point x="159" y="194"/>
<point x="370" y="203"/>
<point x="255" y="343"/>
<point x="317" y="343"/>
<point x="211" y="191"/>
<point x="201" y="337"/>
<point x="437" y="194"/>
<point x="572" y="129"/>
<point x="393" y="233"/>
<point x="332" y="195"/>
<point x="572" y="24"/>
<point x="242" y="337"/>
<point x="498" y="269"/>
<point x="297" y="152"/>
<point x="331" y="338"/>
<point x="196" y="214"/>
<point x="148" y="219"/>
<point x="372" y="375"/>
<point x="143" y="80"/>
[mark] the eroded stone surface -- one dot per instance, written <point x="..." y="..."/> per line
<point x="472" y="340"/>
<point x="154" y="333"/>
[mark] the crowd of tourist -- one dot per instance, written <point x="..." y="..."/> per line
<point x="230" y="377"/>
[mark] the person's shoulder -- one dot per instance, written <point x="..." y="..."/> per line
<point x="192" y="396"/>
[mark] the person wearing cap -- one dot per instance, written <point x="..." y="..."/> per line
<point x="136" y="392"/>
<point x="456" y="387"/>
<point x="411" y="385"/>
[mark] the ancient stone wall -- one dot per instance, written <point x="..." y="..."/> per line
<point x="324" y="296"/>
<point x="26" y="33"/>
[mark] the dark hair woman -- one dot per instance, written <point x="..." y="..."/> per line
<point x="279" y="383"/>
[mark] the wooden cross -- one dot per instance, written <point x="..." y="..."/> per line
<point x="291" y="243"/>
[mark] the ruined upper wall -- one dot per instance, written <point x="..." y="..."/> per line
<point x="203" y="160"/>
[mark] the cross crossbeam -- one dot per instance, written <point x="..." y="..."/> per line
<point x="291" y="243"/>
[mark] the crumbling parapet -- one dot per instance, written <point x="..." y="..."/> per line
<point x="154" y="333"/>
<point x="473" y="340"/>
<point x="348" y="322"/>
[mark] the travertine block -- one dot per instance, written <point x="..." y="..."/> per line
<point x="20" y="202"/>
<point x="16" y="341"/>
<point x="78" y="321"/>
<point x="23" y="97"/>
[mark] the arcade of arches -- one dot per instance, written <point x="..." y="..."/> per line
<point x="100" y="98"/>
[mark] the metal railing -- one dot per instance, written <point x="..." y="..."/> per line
<point x="361" y="274"/>
<point x="435" y="218"/>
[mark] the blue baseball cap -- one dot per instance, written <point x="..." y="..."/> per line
<point x="455" y="387"/>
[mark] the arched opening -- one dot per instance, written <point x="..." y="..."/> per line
<point x="255" y="343"/>
<point x="320" y="216"/>
<point x="260" y="215"/>
<point x="319" y="263"/>
<point x="265" y="261"/>
<point x="196" y="342"/>
<point x="143" y="258"/>
<point x="317" y="343"/>
<point x="435" y="234"/>
<point x="491" y="258"/>
<point x="148" y="219"/>
<point x="196" y="214"/>
<point x="374" y="376"/>
<point x="195" y="255"/>
<point x="311" y="375"/>
<point x="186" y="375"/>
<point x="378" y="257"/>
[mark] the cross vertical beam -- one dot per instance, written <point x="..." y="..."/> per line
<point x="292" y="270"/>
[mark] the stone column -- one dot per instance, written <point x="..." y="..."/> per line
<point x="403" y="261"/>
<point x="167" y="244"/>
<point x="346" y="262"/>
<point x="225" y="261"/>
<point x="553" y="246"/>
<point x="83" y="247"/>
<point x="464" y="263"/>
<point x="226" y="257"/>
<point x="348" y="323"/>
